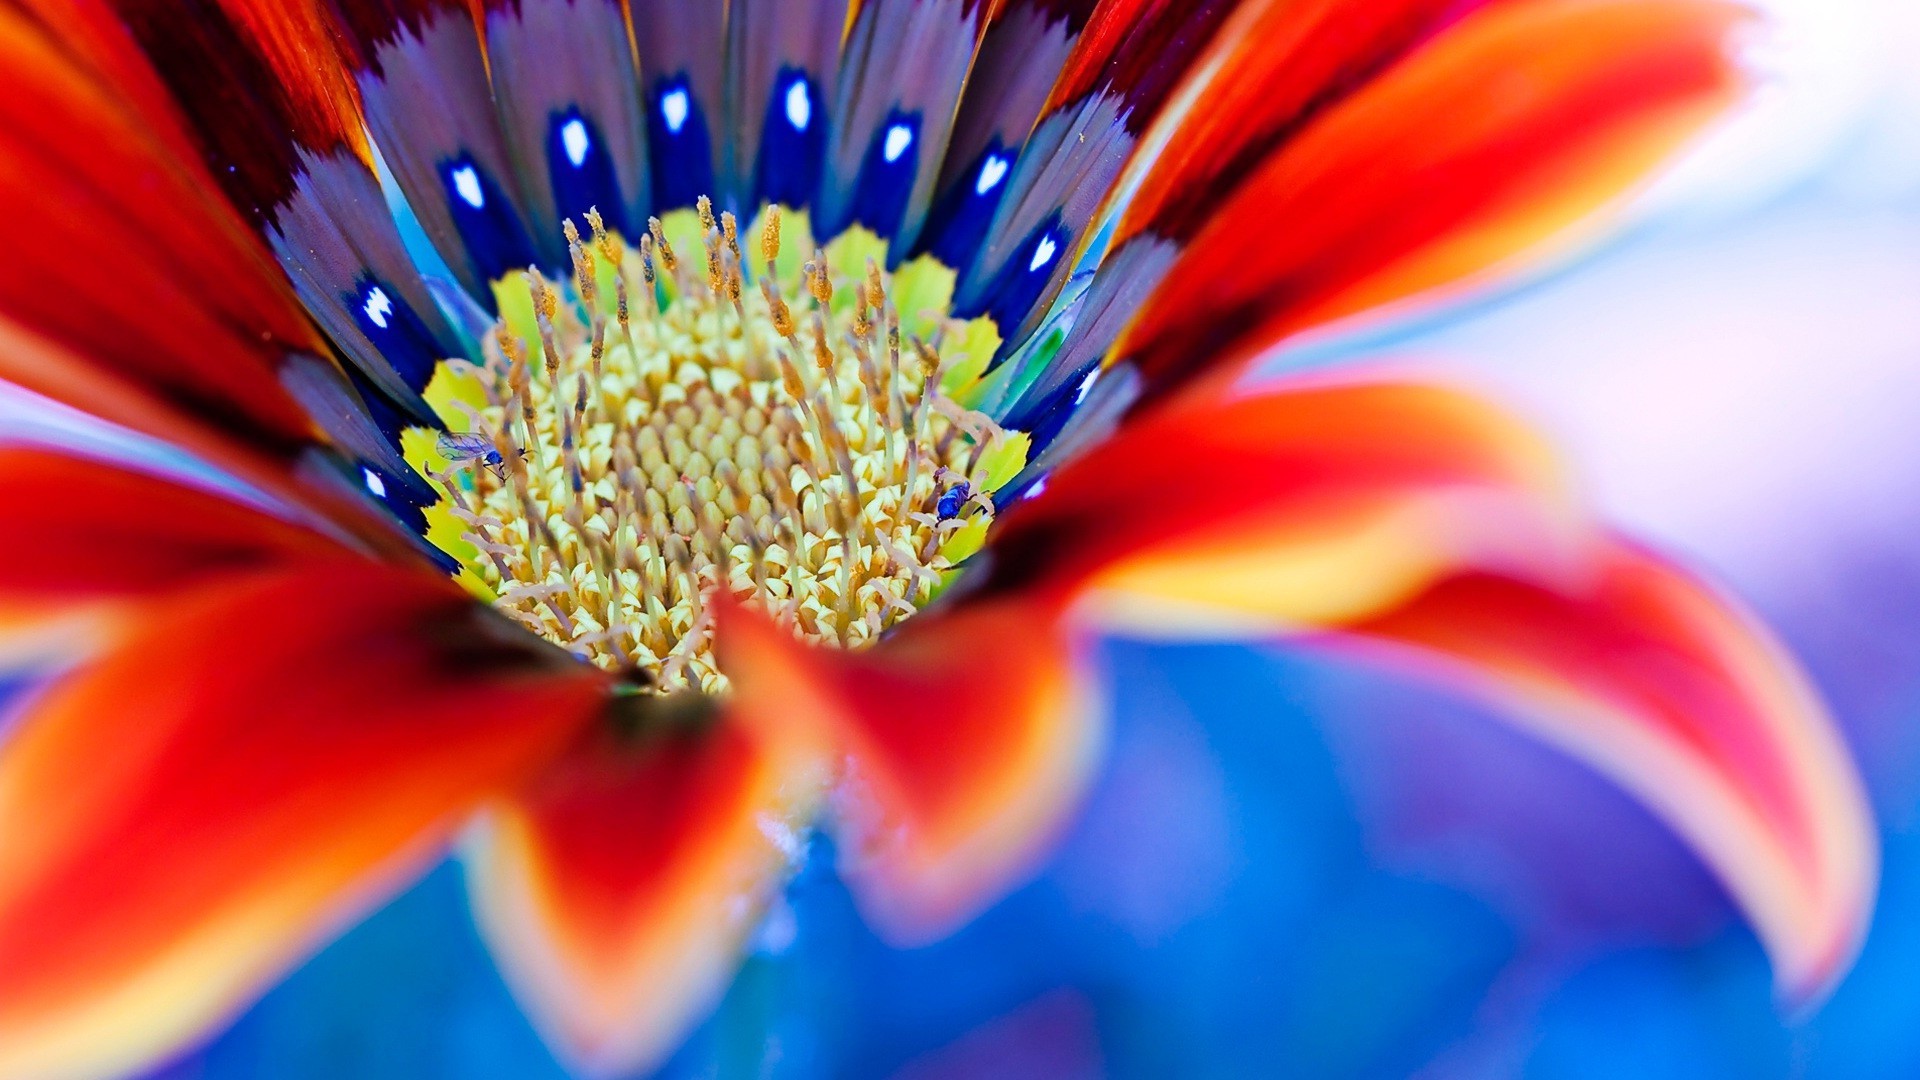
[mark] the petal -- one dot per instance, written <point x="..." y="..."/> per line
<point x="1442" y="170"/>
<point x="423" y="82"/>
<point x="257" y="82"/>
<point x="682" y="50"/>
<point x="1127" y="64"/>
<point x="1313" y="499"/>
<point x="123" y="258"/>
<point x="575" y="129"/>
<point x="783" y="60"/>
<point x="901" y="73"/>
<point x="1273" y="68"/>
<point x="278" y="119"/>
<point x="133" y="291"/>
<point x="80" y="530"/>
<point x="1276" y="65"/>
<point x="1022" y="54"/>
<point x="192" y="812"/>
<point x="1412" y="516"/>
<point x="619" y="889"/>
<point x="92" y="33"/>
<point x="308" y="487"/>
<point x="969" y="734"/>
<point x="1687" y="702"/>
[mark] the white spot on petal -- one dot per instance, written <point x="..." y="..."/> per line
<point x="1086" y="386"/>
<point x="1043" y="254"/>
<point x="378" y="306"/>
<point x="467" y="183"/>
<point x="899" y="137"/>
<point x="374" y="483"/>
<point x="573" y="137"/>
<point x="673" y="109"/>
<point x="992" y="171"/>
<point x="799" y="106"/>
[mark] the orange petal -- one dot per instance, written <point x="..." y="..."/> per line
<point x="94" y="545"/>
<point x="277" y="118"/>
<point x="1311" y="500"/>
<point x="122" y="256"/>
<point x="92" y="33"/>
<point x="1276" y="65"/>
<point x="80" y="529"/>
<point x="295" y="40"/>
<point x="618" y="890"/>
<point x="258" y="81"/>
<point x="190" y="813"/>
<point x="969" y="733"/>
<point x="1514" y="124"/>
<point x="130" y="288"/>
<point x="1137" y="51"/>
<point x="1687" y="702"/>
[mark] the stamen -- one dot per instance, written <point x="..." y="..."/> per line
<point x="659" y="237"/>
<point x="691" y="451"/>
<point x="770" y="240"/>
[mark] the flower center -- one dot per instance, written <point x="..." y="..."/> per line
<point x="657" y="429"/>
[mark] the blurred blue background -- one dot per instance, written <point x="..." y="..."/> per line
<point x="1295" y="868"/>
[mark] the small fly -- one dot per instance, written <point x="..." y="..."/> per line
<point x="470" y="449"/>
<point x="953" y="500"/>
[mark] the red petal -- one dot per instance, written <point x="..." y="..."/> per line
<point x="1276" y="65"/>
<point x="969" y="734"/>
<point x="1311" y="500"/>
<point x="92" y="33"/>
<point x="277" y="117"/>
<point x="80" y="529"/>
<point x="1137" y="51"/>
<point x="1514" y="124"/>
<point x="120" y="255"/>
<point x="1417" y="517"/>
<point x="260" y="82"/>
<point x="130" y="288"/>
<point x="193" y="811"/>
<point x="1686" y="701"/>
<point x="619" y="889"/>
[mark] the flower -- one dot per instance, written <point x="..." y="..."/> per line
<point x="575" y="545"/>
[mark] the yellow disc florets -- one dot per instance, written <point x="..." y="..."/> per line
<point x="657" y="429"/>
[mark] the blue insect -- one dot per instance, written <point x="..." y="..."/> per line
<point x="954" y="498"/>
<point x="461" y="448"/>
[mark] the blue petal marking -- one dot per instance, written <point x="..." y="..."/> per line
<point x="488" y="223"/>
<point x="581" y="171"/>
<point x="793" y="141"/>
<point x="395" y="329"/>
<point x="408" y="496"/>
<point x="958" y="223"/>
<point x="680" y="145"/>
<point x="1043" y="419"/>
<point x="403" y="502"/>
<point x="885" y="183"/>
<point x="1033" y="415"/>
<point x="388" y="417"/>
<point x="1018" y="286"/>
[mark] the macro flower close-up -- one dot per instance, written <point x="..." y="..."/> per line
<point x="630" y="472"/>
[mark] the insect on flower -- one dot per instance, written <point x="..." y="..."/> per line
<point x="467" y="449"/>
<point x="781" y="301"/>
<point x="953" y="499"/>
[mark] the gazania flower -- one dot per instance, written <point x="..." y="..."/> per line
<point x="745" y="421"/>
